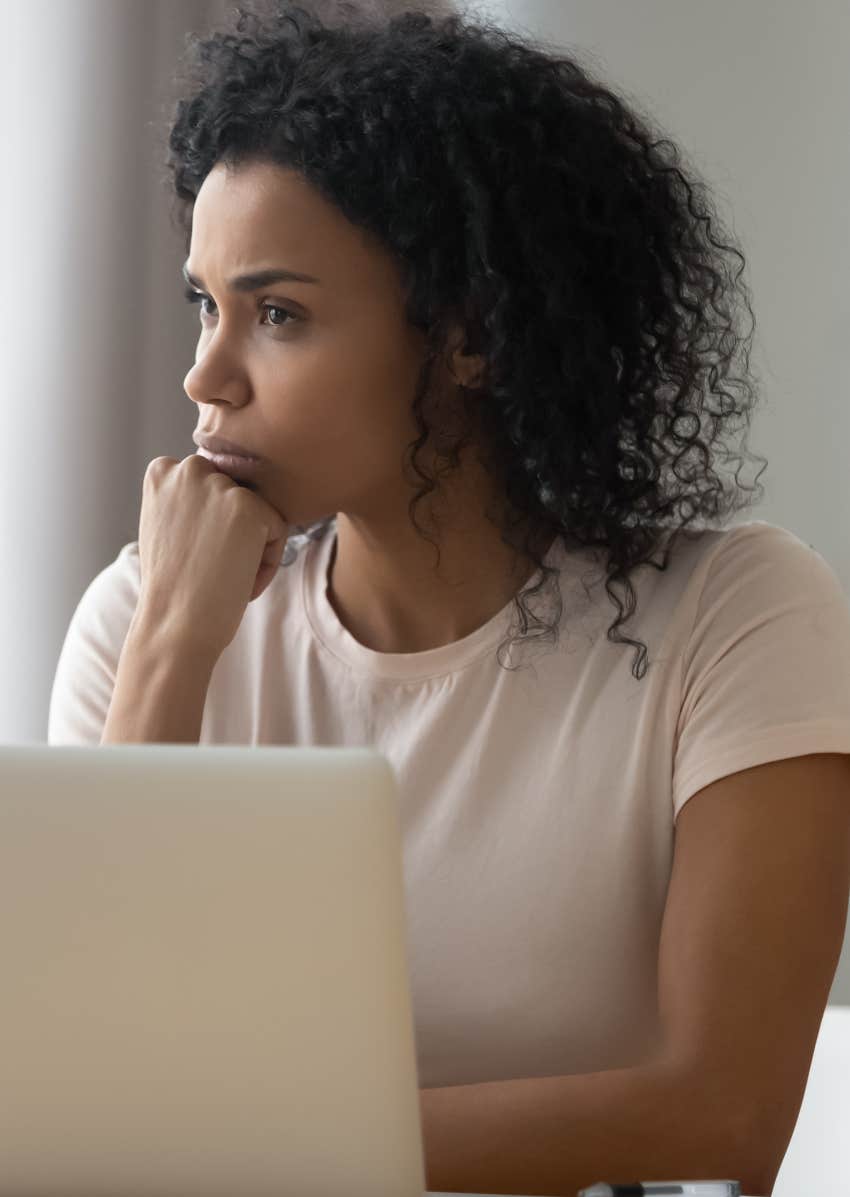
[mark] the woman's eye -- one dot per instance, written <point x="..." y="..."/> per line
<point x="193" y="296"/>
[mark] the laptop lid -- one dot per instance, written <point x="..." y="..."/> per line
<point x="204" y="986"/>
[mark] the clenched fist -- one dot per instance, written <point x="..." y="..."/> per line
<point x="207" y="548"/>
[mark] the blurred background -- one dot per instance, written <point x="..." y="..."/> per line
<point x="96" y="336"/>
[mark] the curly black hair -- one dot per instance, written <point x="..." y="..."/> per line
<point x="516" y="191"/>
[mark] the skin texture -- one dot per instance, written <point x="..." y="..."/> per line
<point x="326" y="398"/>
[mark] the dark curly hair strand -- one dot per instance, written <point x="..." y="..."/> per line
<point x="519" y="194"/>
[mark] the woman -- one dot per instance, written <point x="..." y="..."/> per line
<point x="488" y="373"/>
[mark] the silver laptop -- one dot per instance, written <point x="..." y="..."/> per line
<point x="204" y="985"/>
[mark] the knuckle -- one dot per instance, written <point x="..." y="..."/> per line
<point x="154" y="469"/>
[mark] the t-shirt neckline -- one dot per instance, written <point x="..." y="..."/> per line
<point x="336" y="638"/>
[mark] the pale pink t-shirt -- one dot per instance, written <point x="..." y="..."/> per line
<point x="538" y="806"/>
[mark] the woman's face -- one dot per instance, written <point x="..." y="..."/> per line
<point x="317" y="377"/>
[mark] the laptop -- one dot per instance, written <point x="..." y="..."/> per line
<point x="204" y="988"/>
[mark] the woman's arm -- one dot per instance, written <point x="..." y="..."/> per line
<point x="559" y="1134"/>
<point x="160" y="687"/>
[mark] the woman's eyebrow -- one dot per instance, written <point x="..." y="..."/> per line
<point x="253" y="281"/>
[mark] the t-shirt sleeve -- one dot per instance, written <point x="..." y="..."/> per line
<point x="88" y="662"/>
<point x="766" y="670"/>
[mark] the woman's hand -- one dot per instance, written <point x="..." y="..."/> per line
<point x="207" y="548"/>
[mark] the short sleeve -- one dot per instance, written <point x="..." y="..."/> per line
<point x="766" y="670"/>
<point x="88" y="661"/>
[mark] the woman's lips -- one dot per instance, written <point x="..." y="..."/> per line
<point x="229" y="463"/>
